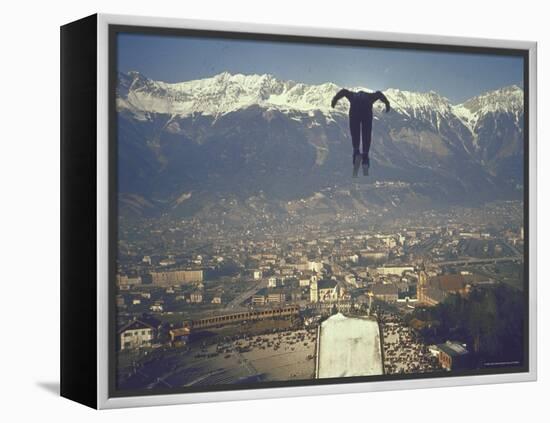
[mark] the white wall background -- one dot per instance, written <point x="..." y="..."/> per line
<point x="29" y="175"/>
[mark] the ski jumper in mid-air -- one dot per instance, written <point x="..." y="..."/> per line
<point x="360" y="123"/>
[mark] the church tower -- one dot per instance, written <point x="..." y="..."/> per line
<point x="313" y="291"/>
<point x="422" y="285"/>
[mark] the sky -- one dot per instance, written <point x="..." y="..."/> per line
<point x="457" y="76"/>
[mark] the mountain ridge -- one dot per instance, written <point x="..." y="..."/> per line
<point x="257" y="133"/>
<point x="266" y="90"/>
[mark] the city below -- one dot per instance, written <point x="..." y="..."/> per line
<point x="206" y="302"/>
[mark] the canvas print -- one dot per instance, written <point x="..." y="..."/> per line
<point x="301" y="211"/>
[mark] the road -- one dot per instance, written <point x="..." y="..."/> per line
<point x="241" y="298"/>
<point x="511" y="247"/>
<point x="470" y="261"/>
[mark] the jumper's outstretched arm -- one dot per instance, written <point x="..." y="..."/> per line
<point x="383" y="99"/>
<point x="342" y="93"/>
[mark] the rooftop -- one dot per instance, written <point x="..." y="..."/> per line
<point x="384" y="289"/>
<point x="450" y="282"/>
<point x="452" y="348"/>
<point x="326" y="284"/>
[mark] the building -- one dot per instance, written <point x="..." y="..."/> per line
<point x="217" y="299"/>
<point x="157" y="307"/>
<point x="453" y="356"/>
<point x="385" y="292"/>
<point x="418" y="325"/>
<point x="272" y="282"/>
<point x="474" y="235"/>
<point x="306" y="278"/>
<point x="176" y="277"/>
<point x="433" y="290"/>
<point x="260" y="297"/>
<point x="351" y="279"/>
<point x="304" y="282"/>
<point x="125" y="280"/>
<point x="257" y="275"/>
<point x="120" y="302"/>
<point x="179" y="336"/>
<point x="136" y="334"/>
<point x="196" y="297"/>
<point x="422" y="286"/>
<point x="326" y="290"/>
<point x="309" y="266"/>
<point x="296" y="295"/>
<point x="276" y="296"/>
<point x="313" y="292"/>
<point x="286" y="271"/>
<point x="406" y="292"/>
<point x="374" y="255"/>
<point x="167" y="262"/>
<point x="394" y="270"/>
<point x="289" y="312"/>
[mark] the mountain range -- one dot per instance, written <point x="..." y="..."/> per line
<point x="248" y="139"/>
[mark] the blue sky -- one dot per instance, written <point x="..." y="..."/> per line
<point x="457" y="76"/>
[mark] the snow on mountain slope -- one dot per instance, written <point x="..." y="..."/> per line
<point x="227" y="92"/>
<point x="220" y="94"/>
<point x="285" y="139"/>
<point x="461" y="124"/>
<point x="428" y="107"/>
<point x="414" y="104"/>
<point x="504" y="100"/>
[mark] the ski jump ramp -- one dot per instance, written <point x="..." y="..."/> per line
<point x="348" y="346"/>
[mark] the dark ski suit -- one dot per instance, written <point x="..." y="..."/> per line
<point x="360" y="117"/>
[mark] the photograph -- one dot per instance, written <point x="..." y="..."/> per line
<point x="303" y="211"/>
<point x="294" y="211"/>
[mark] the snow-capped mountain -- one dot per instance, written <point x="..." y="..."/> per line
<point x="283" y="138"/>
<point x="221" y="94"/>
<point x="496" y="121"/>
<point x="508" y="100"/>
<point x="225" y="93"/>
